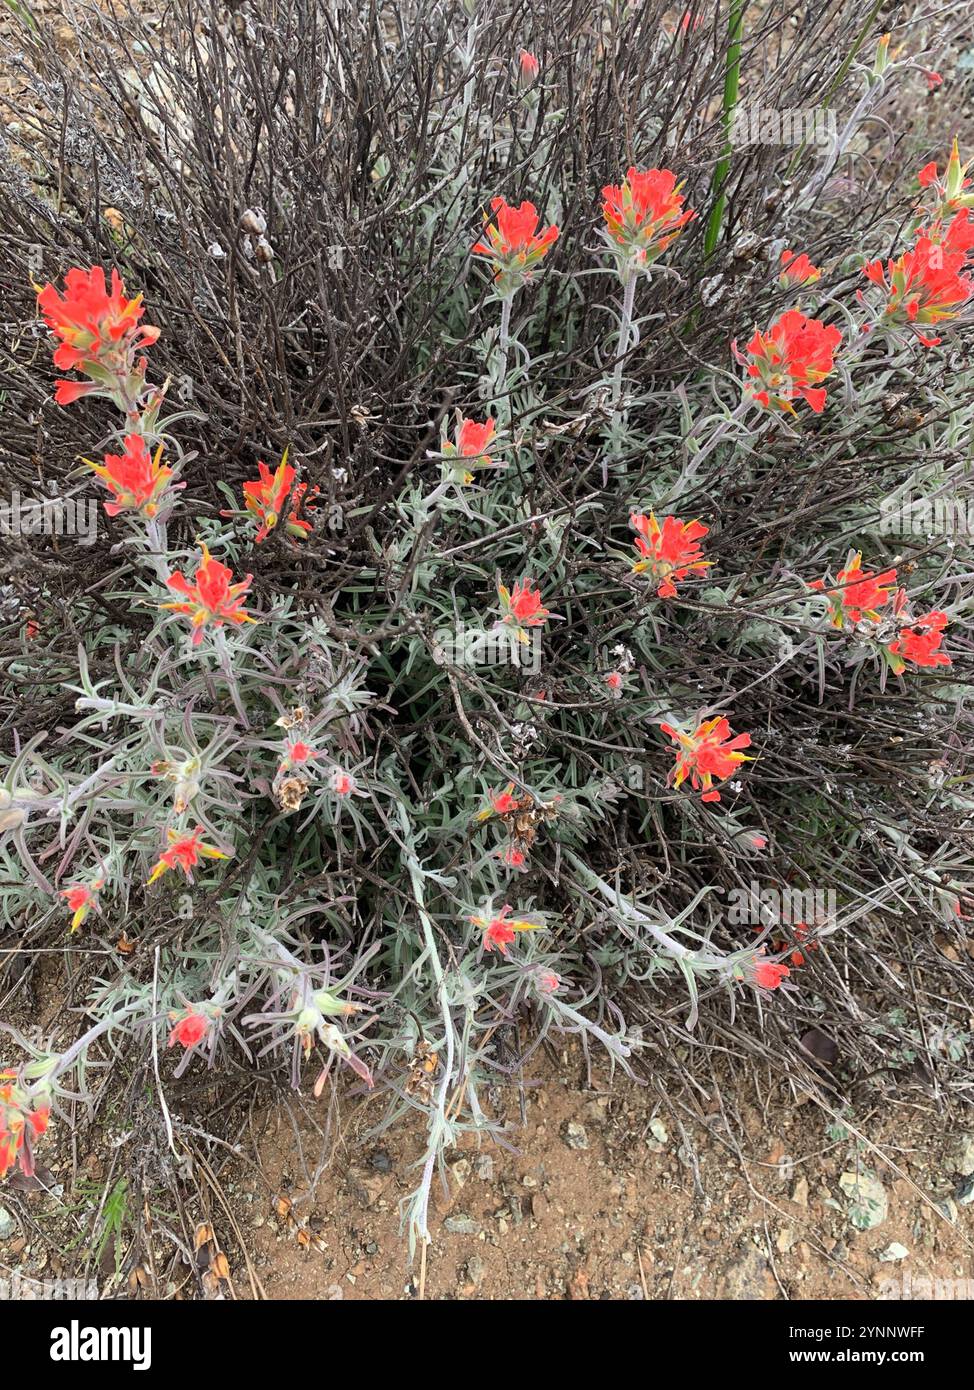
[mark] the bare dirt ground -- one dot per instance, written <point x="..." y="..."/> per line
<point x="606" y="1197"/>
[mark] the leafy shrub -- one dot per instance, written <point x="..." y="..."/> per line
<point x="495" y="595"/>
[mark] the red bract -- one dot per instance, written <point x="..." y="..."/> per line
<point x="644" y="215"/>
<point x="211" y="599"/>
<point x="473" y="440"/>
<point x="23" y="1118"/>
<point x="669" y="552"/>
<point x="790" y="360"/>
<point x="81" y="898"/>
<point x="513" y="243"/>
<point x="500" y="928"/>
<point x="501" y="803"/>
<point x="521" y="607"/>
<point x="920" y="643"/>
<point x="136" y="479"/>
<point x="710" y="753"/>
<point x="796" y="270"/>
<point x="768" y="974"/>
<point x="342" y="783"/>
<point x="859" y="593"/>
<point x="947" y="190"/>
<point x="924" y="286"/>
<point x="530" y="67"/>
<point x="267" y="495"/>
<point x="184" y="852"/>
<point x="98" y="329"/>
<point x="189" y="1028"/>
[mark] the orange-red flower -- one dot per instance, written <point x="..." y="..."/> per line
<point x="644" y="215"/>
<point x="136" y="480"/>
<point x="513" y="243"/>
<point x="521" y="607"/>
<point x="210" y="599"/>
<point x="796" y="270"/>
<point x="948" y="189"/>
<point x="501" y="803"/>
<point x="920" y="643"/>
<point x="500" y="928"/>
<point x="472" y="444"/>
<point x="98" y="329"/>
<point x="710" y="753"/>
<point x="925" y="285"/>
<point x="790" y="360"/>
<point x="768" y="974"/>
<point x="81" y="898"/>
<point x="530" y="67"/>
<point x="669" y="552"/>
<point x="184" y="852"/>
<point x="266" y="497"/>
<point x="858" y="593"/>
<point x="189" y="1028"/>
<point x="23" y="1118"/>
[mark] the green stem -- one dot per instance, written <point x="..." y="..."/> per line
<point x="732" y="73"/>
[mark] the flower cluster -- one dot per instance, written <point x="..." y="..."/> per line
<point x="711" y="753"/>
<point x="136" y="479"/>
<point x="100" y="336"/>
<point x="643" y="216"/>
<point x="24" y="1116"/>
<point x="513" y="244"/>
<point x="210" y="599"/>
<point x="500" y="928"/>
<point x="267" y="495"/>
<point x="925" y="285"/>
<point x="789" y="361"/>
<point x="669" y="552"/>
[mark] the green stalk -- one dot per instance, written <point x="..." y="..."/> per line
<point x="732" y="73"/>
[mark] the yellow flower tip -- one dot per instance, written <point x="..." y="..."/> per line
<point x="157" y="873"/>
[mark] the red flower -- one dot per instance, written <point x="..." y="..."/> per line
<point x="211" y="598"/>
<point x="924" y="285"/>
<point x="266" y="496"/>
<point x="513" y="243"/>
<point x="768" y="974"/>
<point x="790" y="360"/>
<point x="98" y="329"/>
<point x="933" y="79"/>
<point x="499" y="930"/>
<point x="547" y="981"/>
<point x="530" y="67"/>
<point x="23" y="1118"/>
<point x="920" y="642"/>
<point x="474" y="439"/>
<point x="522" y="608"/>
<point x="669" y="552"/>
<point x="861" y="593"/>
<point x="948" y="188"/>
<point x="614" y="680"/>
<point x="136" y="479"/>
<point x="190" y="1028"/>
<point x="300" y="752"/>
<point x="473" y="443"/>
<point x="796" y="270"/>
<point x="501" y="803"/>
<point x="184" y="852"/>
<point x="644" y="214"/>
<point x="81" y="898"/>
<point x="342" y="783"/>
<point x="707" y="754"/>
